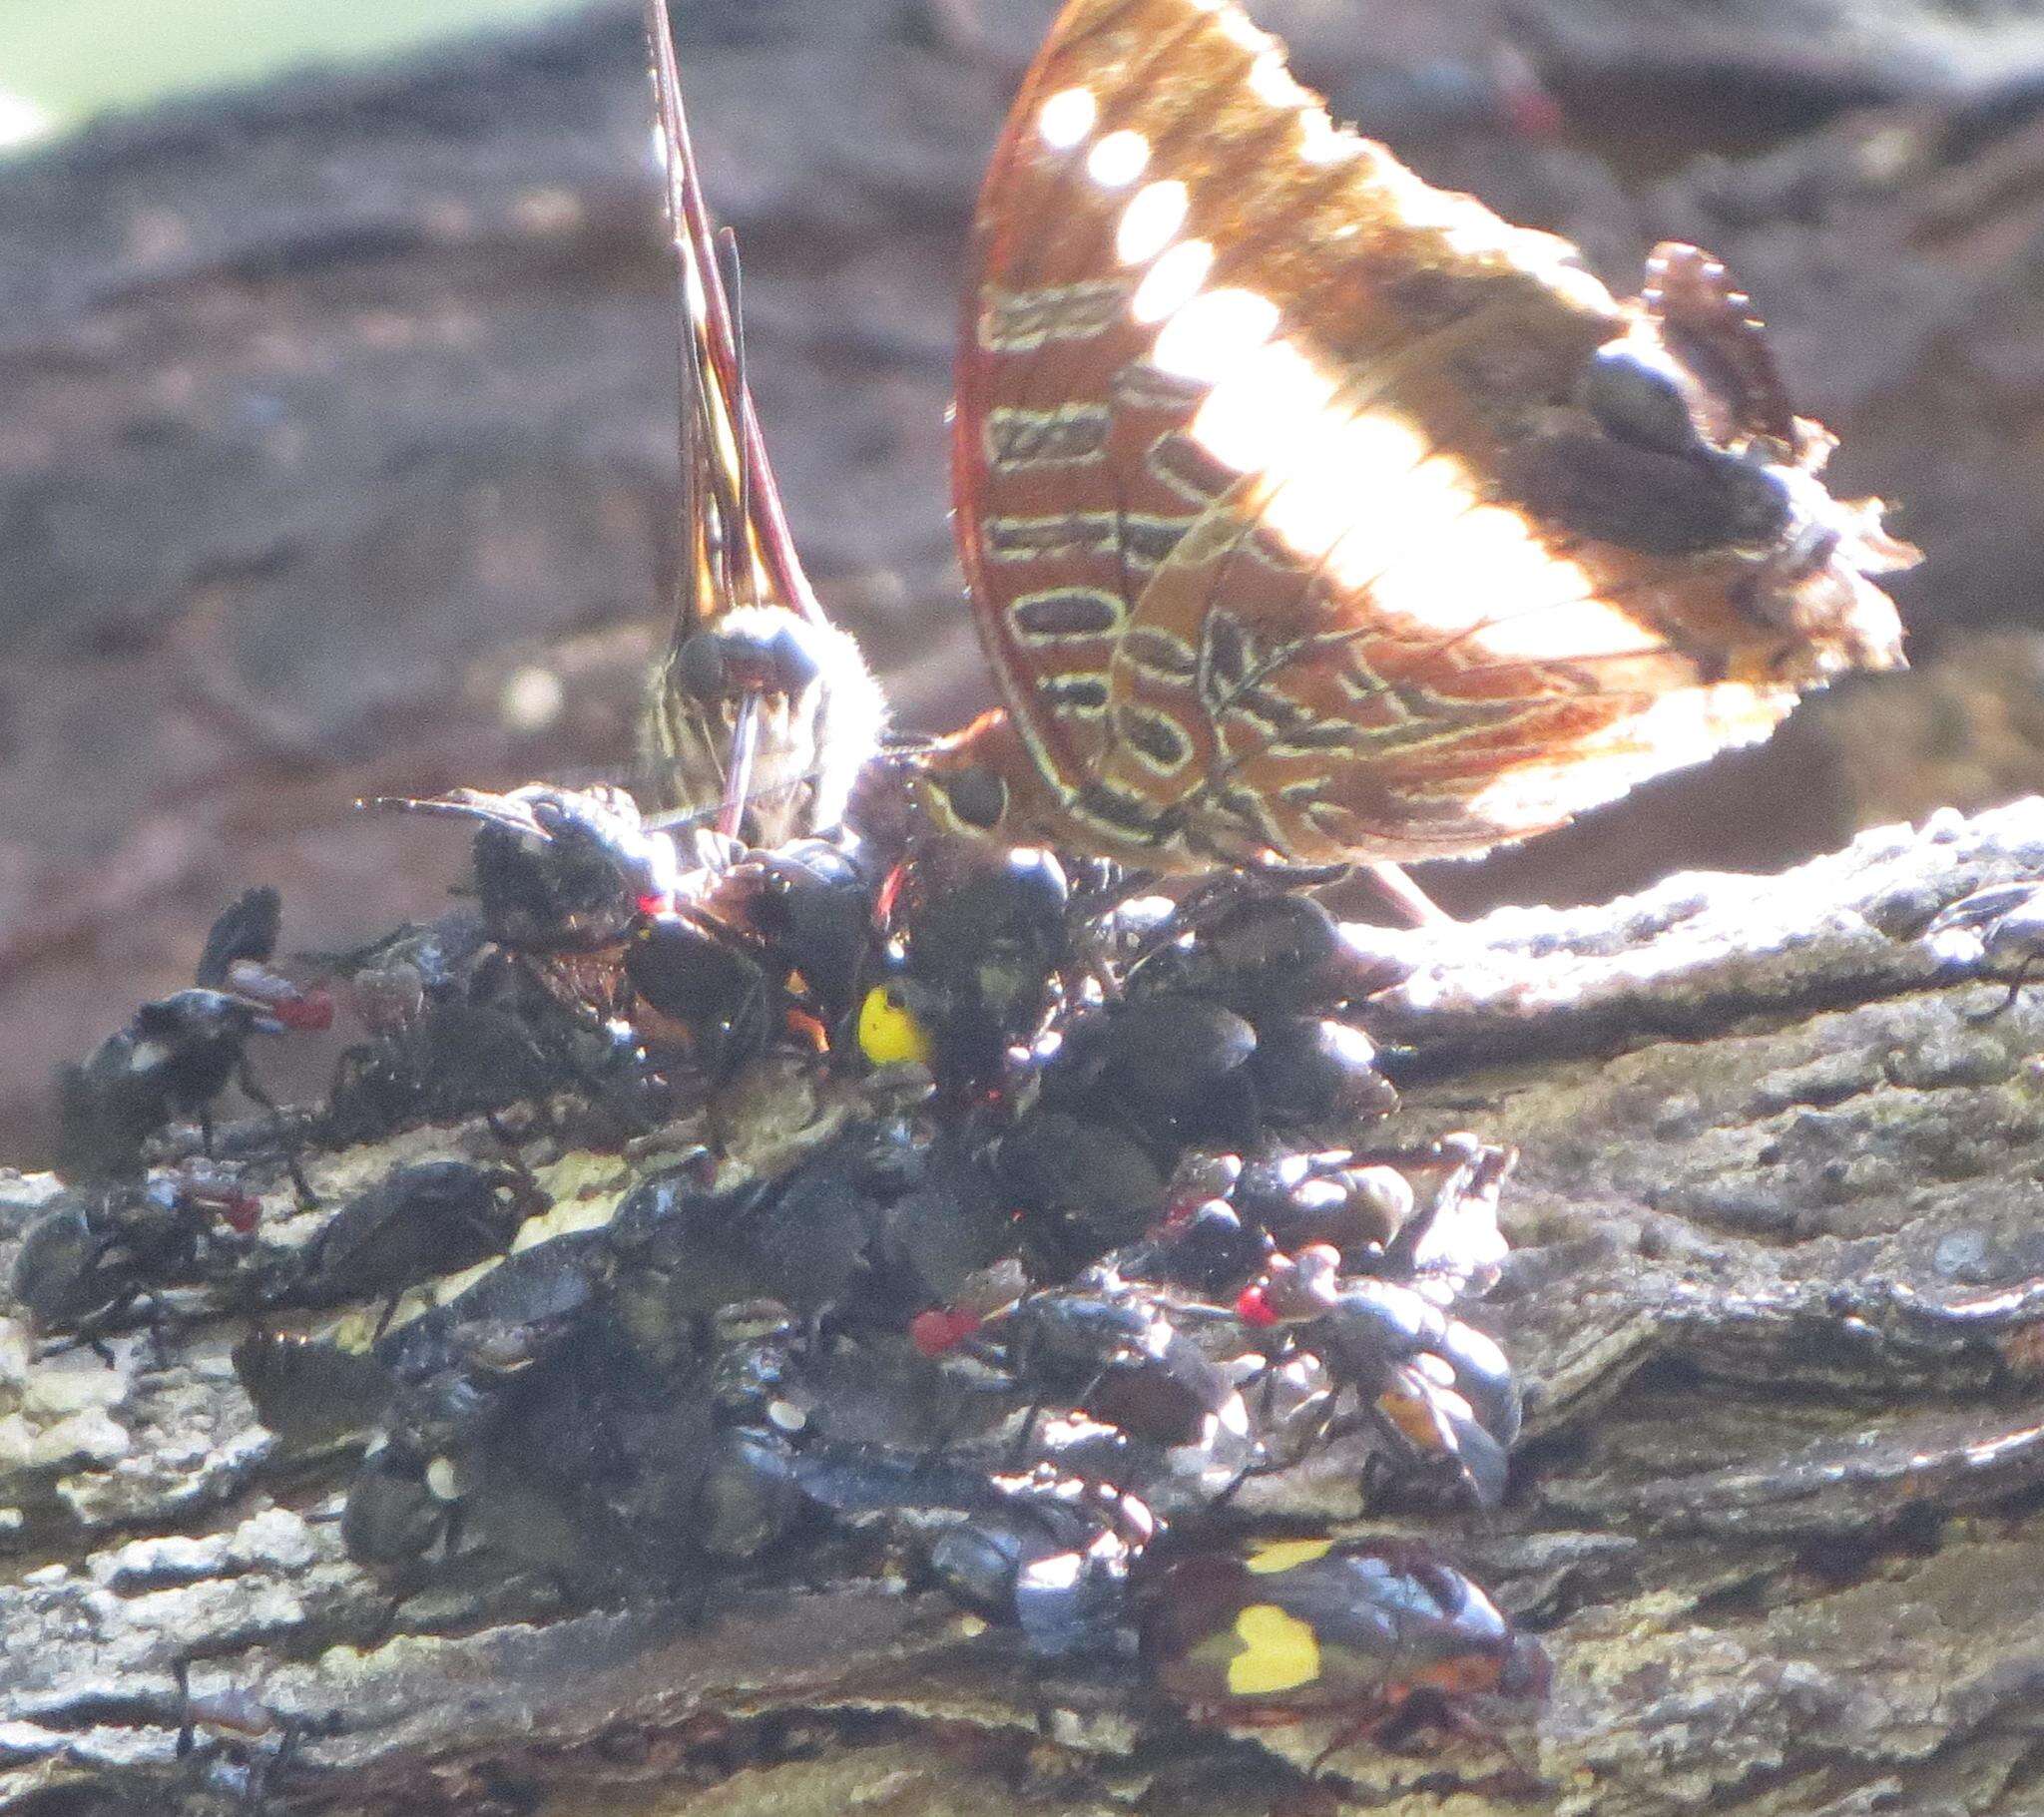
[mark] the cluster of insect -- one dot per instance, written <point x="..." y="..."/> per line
<point x="1080" y="1261"/>
<point x="1075" y="1250"/>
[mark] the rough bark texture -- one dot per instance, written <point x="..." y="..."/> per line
<point x="339" y="452"/>
<point x="1777" y="1296"/>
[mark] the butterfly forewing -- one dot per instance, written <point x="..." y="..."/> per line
<point x="1285" y="529"/>
<point x="758" y="703"/>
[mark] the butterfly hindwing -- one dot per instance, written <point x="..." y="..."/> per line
<point x="1308" y="509"/>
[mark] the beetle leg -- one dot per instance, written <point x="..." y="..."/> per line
<point x="1018" y="1452"/>
<point x="286" y="1139"/>
<point x="181" y="1669"/>
<point x="1381" y="1727"/>
<point x="2023" y="974"/>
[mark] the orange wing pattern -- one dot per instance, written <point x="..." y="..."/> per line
<point x="1310" y="510"/>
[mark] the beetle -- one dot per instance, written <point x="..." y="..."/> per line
<point x="714" y="989"/>
<point x="1384" y="1635"/>
<point x="1439" y="1389"/>
<point x="1168" y="1068"/>
<point x="1045" y="1552"/>
<point x="2004" y="926"/>
<point x="308" y="1390"/>
<point x="174" y="1056"/>
<point x="558" y="870"/>
<point x="1084" y="1186"/>
<point x="173" y="1059"/>
<point x="777" y="942"/>
<point x="1316" y="1070"/>
<point x="430" y="1218"/>
<point x="179" y="1053"/>
<point x="503" y="1320"/>
<point x="580" y="1413"/>
<point x="1262" y="953"/>
<point x="1050" y="1556"/>
<point x="1353" y="1203"/>
<point x="1119" y="1352"/>
<point x="394" y="1513"/>
<point x="813" y="903"/>
<point x="483" y="1036"/>
<point x="89" y="1258"/>
<point x="976" y="943"/>
<point x="457" y="1373"/>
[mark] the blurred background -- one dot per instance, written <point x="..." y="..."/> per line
<point x="336" y="400"/>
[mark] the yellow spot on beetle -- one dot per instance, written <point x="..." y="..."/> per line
<point x="1278" y="1652"/>
<point x="1284" y="1555"/>
<point x="888" y="1030"/>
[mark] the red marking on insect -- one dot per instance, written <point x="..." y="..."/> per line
<point x="888" y="895"/>
<point x="1252" y="1306"/>
<point x="311" y="1009"/>
<point x="240" y="1212"/>
<point x="942" y="1329"/>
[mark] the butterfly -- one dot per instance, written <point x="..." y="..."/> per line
<point x="759" y="708"/>
<point x="1312" y="513"/>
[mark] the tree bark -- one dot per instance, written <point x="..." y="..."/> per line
<point x="1776" y="1294"/>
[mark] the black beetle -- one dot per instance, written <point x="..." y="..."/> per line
<point x="89" y="1258"/>
<point x="430" y="1218"/>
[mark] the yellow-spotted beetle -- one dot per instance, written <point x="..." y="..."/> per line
<point x="1383" y="1634"/>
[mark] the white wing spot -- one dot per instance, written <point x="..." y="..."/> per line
<point x="1067" y="117"/>
<point x="1346" y="484"/>
<point x="1118" y="159"/>
<point x="1494" y="578"/>
<point x="1212" y="334"/>
<point x="1172" y="284"/>
<point x="1150" y="221"/>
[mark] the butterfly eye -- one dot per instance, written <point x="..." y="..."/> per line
<point x="1636" y="401"/>
<point x="699" y="666"/>
<point x="977" y="797"/>
<point x="713" y="663"/>
<point x="794" y="659"/>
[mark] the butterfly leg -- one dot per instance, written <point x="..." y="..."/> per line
<point x="1410" y="902"/>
